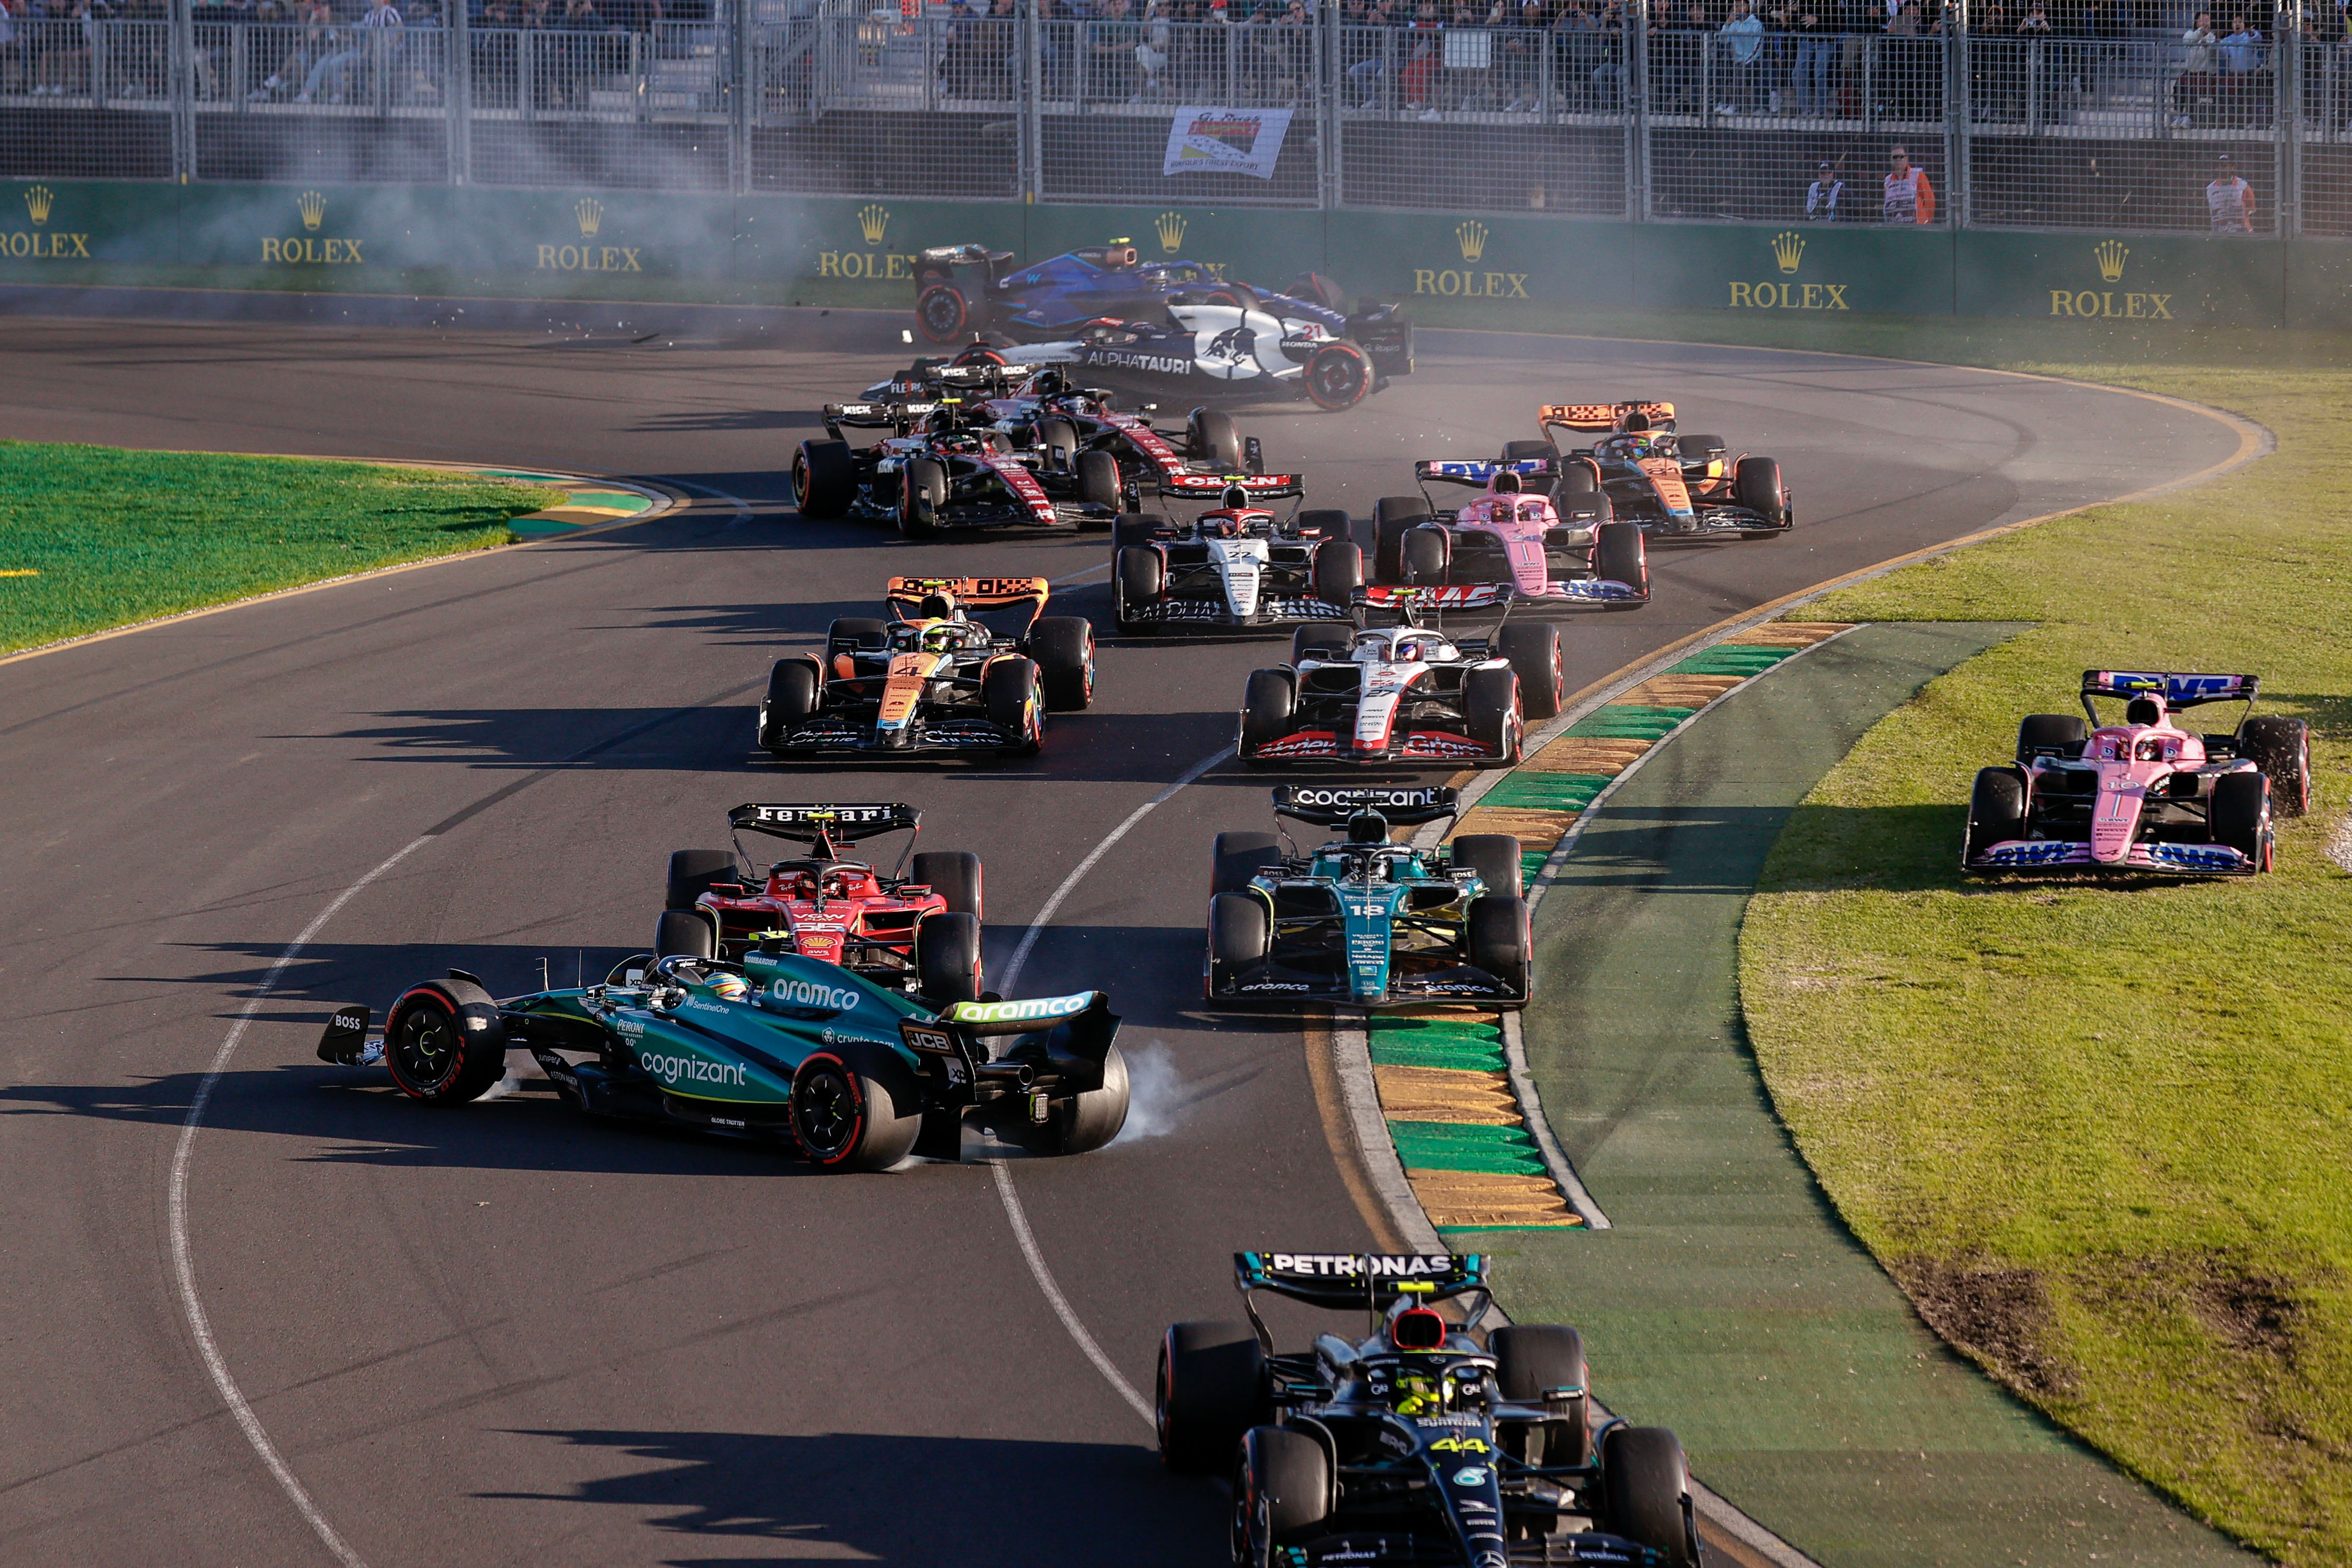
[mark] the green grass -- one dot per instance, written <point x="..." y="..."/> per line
<point x="119" y="537"/>
<point x="2102" y="1134"/>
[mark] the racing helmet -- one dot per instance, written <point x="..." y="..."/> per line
<point x="1412" y="650"/>
<point x="941" y="637"/>
<point x="1218" y="525"/>
<point x="2144" y="710"/>
<point x="1368" y="828"/>
<point x="1234" y="497"/>
<point x="1507" y="483"/>
<point x="731" y="987"/>
<point x="938" y="606"/>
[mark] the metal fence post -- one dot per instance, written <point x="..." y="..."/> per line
<point x="180" y="55"/>
<point x="2286" y="72"/>
<point x="1959" y="110"/>
<point x="1327" y="104"/>
<point x="1032" y="105"/>
<point x="738" y="90"/>
<point x="1637" y="110"/>
<point x="457" y="84"/>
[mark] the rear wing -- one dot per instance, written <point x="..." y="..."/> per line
<point x="1405" y="806"/>
<point x="1259" y="486"/>
<point x="1600" y="416"/>
<point x="842" y="824"/>
<point x="2178" y="691"/>
<point x="1375" y="1279"/>
<point x="1455" y="471"/>
<point x="877" y="415"/>
<point x="1452" y="596"/>
<point x="905" y="593"/>
<point x="1073" y="1035"/>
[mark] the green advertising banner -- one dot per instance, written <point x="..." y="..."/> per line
<point x="639" y="246"/>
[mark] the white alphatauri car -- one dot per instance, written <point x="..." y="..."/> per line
<point x="1237" y="565"/>
<point x="1405" y="694"/>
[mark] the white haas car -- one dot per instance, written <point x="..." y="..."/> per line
<point x="1236" y="565"/>
<point x="1405" y="694"/>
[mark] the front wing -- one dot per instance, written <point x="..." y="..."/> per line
<point x="1273" y="981"/>
<point x="1705" y="522"/>
<point x="1273" y="610"/>
<point x="2074" y="855"/>
<point x="1331" y="746"/>
<point x="930" y="735"/>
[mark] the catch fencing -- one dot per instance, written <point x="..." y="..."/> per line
<point x="1649" y="112"/>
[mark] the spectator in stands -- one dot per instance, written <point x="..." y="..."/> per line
<point x="1910" y="198"/>
<point x="2197" y="60"/>
<point x="1608" y="74"/>
<point x="1743" y="47"/>
<point x="1993" y="73"/>
<point x="12" y="47"/>
<point x="66" y="53"/>
<point x="1523" y="48"/>
<point x="1899" y="66"/>
<point x="1417" y="82"/>
<point x="1816" y="61"/>
<point x="1111" y="42"/>
<point x="2245" y="85"/>
<point x="378" y="29"/>
<point x="1364" y="75"/>
<point x="1151" y="51"/>
<point x="1822" y="196"/>
<point x="2229" y="200"/>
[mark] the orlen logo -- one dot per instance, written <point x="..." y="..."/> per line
<point x="809" y="994"/>
<point x="1020" y="1012"/>
<point x="673" y="1070"/>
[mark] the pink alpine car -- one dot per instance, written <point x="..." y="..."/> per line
<point x="1511" y="534"/>
<point x="2145" y="795"/>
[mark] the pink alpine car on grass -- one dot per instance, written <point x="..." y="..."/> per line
<point x="1514" y="533"/>
<point x="2145" y="795"/>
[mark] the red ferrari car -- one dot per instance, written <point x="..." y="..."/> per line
<point x="920" y="930"/>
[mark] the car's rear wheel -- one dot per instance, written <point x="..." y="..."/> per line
<point x="1543" y="1364"/>
<point x="1238" y="856"/>
<point x="1499" y="941"/>
<point x="1283" y="1492"/>
<point x="1211" y="436"/>
<point x="1338" y="375"/>
<point x="1695" y="449"/>
<point x="1135" y="529"/>
<point x="1646" y="1484"/>
<point x="1619" y="555"/>
<point x="444" y="1043"/>
<point x="1267" y="704"/>
<point x="1494" y="857"/>
<point x="1064" y="648"/>
<point x="692" y="873"/>
<point x="1324" y="522"/>
<point x="1237" y="930"/>
<point x="1996" y="810"/>
<point x="685" y="934"/>
<point x="1059" y="437"/>
<point x="1391" y="516"/>
<point x="1092" y="1117"/>
<point x="1490" y="709"/>
<point x="1140" y="575"/>
<point x="1533" y="649"/>
<point x="1339" y="571"/>
<point x="855" y="1107"/>
<point x="954" y="875"/>
<point x="855" y="633"/>
<point x="2281" y="748"/>
<point x="824" y="478"/>
<point x="1428" y="551"/>
<point x="1096" y="478"/>
<point x="795" y="692"/>
<point x="2060" y="734"/>
<point x="947" y="958"/>
<point x="2240" y="819"/>
<point x="1008" y="694"/>
<point x="942" y="313"/>
<point x="1209" y="1391"/>
<point x="922" y="491"/>
<point x="1318" y="640"/>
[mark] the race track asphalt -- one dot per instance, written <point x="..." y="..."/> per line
<point x="502" y="1335"/>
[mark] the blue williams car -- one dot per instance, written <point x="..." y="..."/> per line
<point x="1165" y="323"/>
<point x="1364" y="922"/>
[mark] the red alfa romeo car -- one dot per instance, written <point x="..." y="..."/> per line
<point x="919" y="930"/>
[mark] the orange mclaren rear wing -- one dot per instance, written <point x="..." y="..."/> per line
<point x="1600" y="415"/>
<point x="904" y="595"/>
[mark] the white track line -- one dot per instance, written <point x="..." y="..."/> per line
<point x="184" y="1267"/>
<point x="1014" y="1212"/>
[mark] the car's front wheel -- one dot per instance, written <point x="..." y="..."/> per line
<point x="444" y="1043"/>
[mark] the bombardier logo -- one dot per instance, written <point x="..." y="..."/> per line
<point x="809" y="994"/>
<point x="676" y="1070"/>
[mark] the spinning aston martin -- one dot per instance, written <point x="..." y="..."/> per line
<point x="776" y="1047"/>
<point x="1363" y="921"/>
<point x="2145" y="795"/>
<point x="1422" y="1442"/>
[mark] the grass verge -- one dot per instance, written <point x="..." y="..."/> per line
<point x="97" y="536"/>
<point x="2099" y="1132"/>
